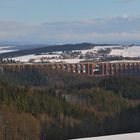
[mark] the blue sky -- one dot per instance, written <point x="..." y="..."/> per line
<point x="40" y="11"/>
<point x="70" y="21"/>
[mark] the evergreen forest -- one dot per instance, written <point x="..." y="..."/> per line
<point x="39" y="103"/>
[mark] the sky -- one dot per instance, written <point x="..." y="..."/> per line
<point x="70" y="21"/>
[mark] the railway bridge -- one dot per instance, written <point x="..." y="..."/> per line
<point x="101" y="68"/>
<point x="112" y="68"/>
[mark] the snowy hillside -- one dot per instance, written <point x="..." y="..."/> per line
<point x="133" y="51"/>
<point x="47" y="58"/>
<point x="5" y="49"/>
<point x="75" y="56"/>
<point x="132" y="136"/>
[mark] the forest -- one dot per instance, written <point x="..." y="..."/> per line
<point x="44" y="104"/>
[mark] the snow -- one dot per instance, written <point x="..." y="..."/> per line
<point x="84" y="51"/>
<point x="52" y="53"/>
<point x="6" y="51"/>
<point x="58" y="52"/>
<point x="96" y="48"/>
<point x="130" y="136"/>
<point x="90" y="50"/>
<point x="123" y="61"/>
<point x="119" y="52"/>
<point x="6" y="47"/>
<point x="133" y="51"/>
<point x="26" y="58"/>
<point x="105" y="47"/>
<point x="66" y="60"/>
<point x="47" y="55"/>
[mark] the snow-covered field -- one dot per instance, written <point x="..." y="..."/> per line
<point x="133" y="51"/>
<point x="26" y="58"/>
<point x="66" y="60"/>
<point x="5" y="49"/>
<point x="96" y="48"/>
<point x="131" y="136"/>
<point x="85" y="51"/>
<point x="105" y="47"/>
<point x="37" y="58"/>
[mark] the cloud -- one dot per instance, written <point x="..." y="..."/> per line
<point x="15" y="30"/>
<point x="112" y="29"/>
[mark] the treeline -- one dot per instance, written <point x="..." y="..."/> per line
<point x="45" y="104"/>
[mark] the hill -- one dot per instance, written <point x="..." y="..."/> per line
<point x="37" y="49"/>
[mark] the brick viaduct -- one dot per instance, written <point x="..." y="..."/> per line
<point x="89" y="68"/>
<point x="102" y="68"/>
